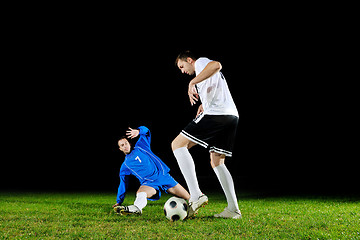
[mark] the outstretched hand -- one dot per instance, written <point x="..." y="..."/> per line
<point x="132" y="133"/>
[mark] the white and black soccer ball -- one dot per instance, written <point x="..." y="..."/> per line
<point x="176" y="209"/>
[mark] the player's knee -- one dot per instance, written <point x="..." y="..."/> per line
<point x="150" y="191"/>
<point x="177" y="143"/>
<point x="214" y="164"/>
<point x="216" y="159"/>
<point x="217" y="156"/>
<point x="174" y="145"/>
<point x="180" y="142"/>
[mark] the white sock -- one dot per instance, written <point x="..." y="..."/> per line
<point x="187" y="167"/>
<point x="140" y="201"/>
<point x="227" y="185"/>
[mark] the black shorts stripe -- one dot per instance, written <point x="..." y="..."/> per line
<point x="194" y="139"/>
<point x="217" y="132"/>
<point x="221" y="151"/>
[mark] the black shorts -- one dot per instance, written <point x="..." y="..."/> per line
<point x="216" y="132"/>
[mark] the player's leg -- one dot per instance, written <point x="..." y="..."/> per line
<point x="180" y="147"/>
<point x="227" y="184"/>
<point x="179" y="191"/>
<point x="181" y="141"/>
<point x="216" y="159"/>
<point x="143" y="193"/>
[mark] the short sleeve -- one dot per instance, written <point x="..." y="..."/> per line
<point x="200" y="64"/>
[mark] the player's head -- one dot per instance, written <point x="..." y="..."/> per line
<point x="124" y="145"/>
<point x="185" y="61"/>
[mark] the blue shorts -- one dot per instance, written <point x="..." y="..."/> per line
<point x="162" y="183"/>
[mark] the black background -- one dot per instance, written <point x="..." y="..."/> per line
<point x="74" y="87"/>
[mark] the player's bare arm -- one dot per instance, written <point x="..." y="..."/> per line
<point x="210" y="69"/>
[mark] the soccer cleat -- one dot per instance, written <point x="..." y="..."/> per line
<point x="196" y="205"/>
<point x="229" y="214"/>
<point x="127" y="210"/>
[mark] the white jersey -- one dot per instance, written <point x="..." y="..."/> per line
<point x="214" y="92"/>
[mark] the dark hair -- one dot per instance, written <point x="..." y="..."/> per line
<point x="122" y="137"/>
<point x="184" y="55"/>
<point x="132" y="141"/>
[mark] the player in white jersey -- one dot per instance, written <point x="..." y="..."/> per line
<point x="214" y="127"/>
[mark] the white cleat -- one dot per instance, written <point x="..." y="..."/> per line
<point x="196" y="205"/>
<point x="127" y="210"/>
<point x="229" y="214"/>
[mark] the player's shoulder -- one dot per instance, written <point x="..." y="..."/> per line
<point x="202" y="60"/>
<point x="128" y="157"/>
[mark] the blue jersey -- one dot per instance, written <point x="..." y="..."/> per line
<point x="142" y="163"/>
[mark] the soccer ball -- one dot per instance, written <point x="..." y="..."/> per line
<point x="175" y="209"/>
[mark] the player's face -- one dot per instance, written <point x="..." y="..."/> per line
<point x="186" y="66"/>
<point x="124" y="145"/>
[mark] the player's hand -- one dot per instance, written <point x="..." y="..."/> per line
<point x="115" y="205"/>
<point x="193" y="95"/>
<point x="200" y="110"/>
<point x="132" y="133"/>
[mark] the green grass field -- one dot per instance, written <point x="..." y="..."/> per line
<point x="90" y="216"/>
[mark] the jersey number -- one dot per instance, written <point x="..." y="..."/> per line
<point x="137" y="158"/>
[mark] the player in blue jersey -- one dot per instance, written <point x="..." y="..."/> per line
<point x="152" y="173"/>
